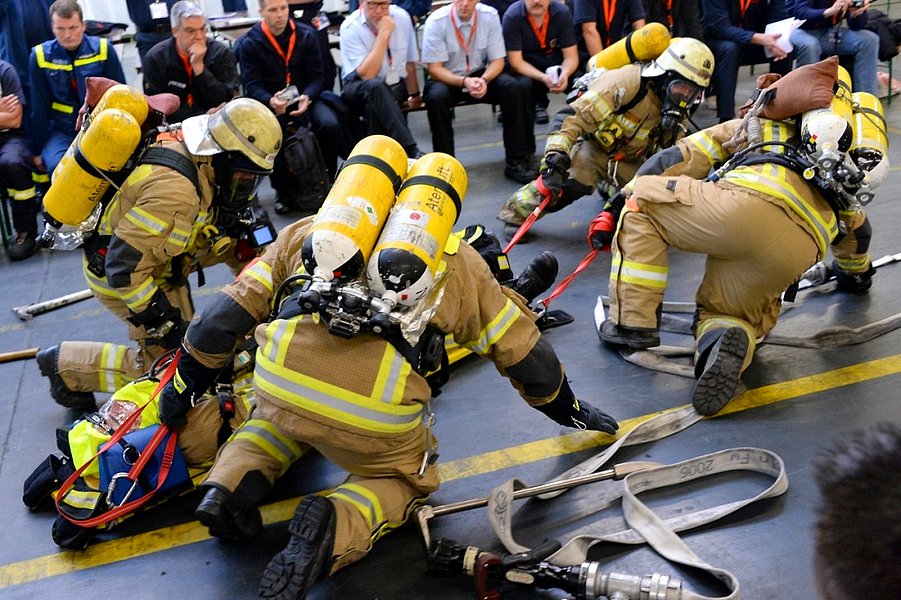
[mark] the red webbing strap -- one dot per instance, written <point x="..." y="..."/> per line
<point x="569" y="279"/>
<point x="533" y="216"/>
<point x="146" y="453"/>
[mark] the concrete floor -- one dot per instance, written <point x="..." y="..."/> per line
<point x="795" y="405"/>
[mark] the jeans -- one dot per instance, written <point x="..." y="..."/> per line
<point x="863" y="44"/>
<point x="728" y="57"/>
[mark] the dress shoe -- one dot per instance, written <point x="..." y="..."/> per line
<point x="520" y="171"/>
<point x="541" y="116"/>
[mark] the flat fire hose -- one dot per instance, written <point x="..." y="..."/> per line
<point x="643" y="525"/>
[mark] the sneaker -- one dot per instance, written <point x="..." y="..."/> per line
<point x="284" y="204"/>
<point x="307" y="557"/>
<point x="541" y="116"/>
<point x="48" y="363"/>
<point x="520" y="171"/>
<point x="537" y="277"/>
<point x="634" y="337"/>
<point x="23" y="246"/>
<point x="719" y="378"/>
<point x="219" y="512"/>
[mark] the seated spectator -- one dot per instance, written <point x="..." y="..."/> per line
<point x="417" y="9"/>
<point x="15" y="164"/>
<point x="857" y="548"/>
<point x="823" y="33"/>
<point x="151" y="19"/>
<point x="278" y="53"/>
<point x="597" y="30"/>
<point x="463" y="47"/>
<point x="310" y="13"/>
<point x="682" y="17"/>
<point x="18" y="17"/>
<point x="199" y="70"/>
<point x="539" y="35"/>
<point x="733" y="30"/>
<point x="378" y="59"/>
<point x="57" y="70"/>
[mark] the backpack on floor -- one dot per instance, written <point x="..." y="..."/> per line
<point x="306" y="164"/>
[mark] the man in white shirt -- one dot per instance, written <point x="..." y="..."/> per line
<point x="463" y="47"/>
<point x="378" y="62"/>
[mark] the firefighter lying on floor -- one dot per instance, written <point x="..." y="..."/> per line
<point x="351" y="337"/>
<point x="764" y="217"/>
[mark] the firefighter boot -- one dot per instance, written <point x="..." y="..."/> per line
<point x="721" y="355"/>
<point x="48" y="363"/>
<point x="636" y="338"/>
<point x="537" y="277"/>
<point x="220" y="512"/>
<point x="307" y="557"/>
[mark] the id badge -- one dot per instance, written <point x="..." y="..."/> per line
<point x="159" y="10"/>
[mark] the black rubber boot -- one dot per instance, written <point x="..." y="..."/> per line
<point x="718" y="369"/>
<point x="48" y="363"/>
<point x="220" y="512"/>
<point x="633" y="337"/>
<point x="307" y="557"/>
<point x="537" y="277"/>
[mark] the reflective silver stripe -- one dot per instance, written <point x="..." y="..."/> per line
<point x="287" y="454"/>
<point x="146" y="221"/>
<point x="361" y="502"/>
<point x="260" y="271"/>
<point x="140" y="295"/>
<point x="494" y="330"/>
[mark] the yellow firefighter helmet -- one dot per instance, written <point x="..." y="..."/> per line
<point x="686" y="57"/>
<point x="243" y="125"/>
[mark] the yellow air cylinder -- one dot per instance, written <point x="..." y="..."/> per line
<point x="125" y="98"/>
<point x="410" y="249"/>
<point x="642" y="45"/>
<point x="348" y="223"/>
<point x="827" y="131"/>
<point x="105" y="146"/>
<point x="869" y="149"/>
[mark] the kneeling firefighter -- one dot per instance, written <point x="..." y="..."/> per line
<point x="788" y="187"/>
<point x="175" y="213"/>
<point x="350" y="309"/>
<point x="626" y="114"/>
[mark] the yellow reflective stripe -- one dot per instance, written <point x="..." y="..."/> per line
<point x="46" y="64"/>
<point x="63" y="108"/>
<point x="378" y="411"/>
<point x="112" y="376"/>
<point x="40" y="177"/>
<point x="363" y="500"/>
<point x="98" y="285"/>
<point x="777" y="186"/>
<point x="597" y="101"/>
<point x="495" y="329"/>
<point x="261" y="272"/>
<point x="853" y="265"/>
<point x="707" y="146"/>
<point x="83" y="499"/>
<point x="268" y="438"/>
<point x="777" y="132"/>
<point x="146" y="221"/>
<point x="179" y="237"/>
<point x="558" y="141"/>
<point x="22" y="194"/>
<point x="140" y="295"/>
<point x="715" y="323"/>
<point x="101" y="55"/>
<point x="636" y="273"/>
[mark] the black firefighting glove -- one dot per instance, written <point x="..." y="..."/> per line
<point x="554" y="172"/>
<point x="601" y="231"/>
<point x="162" y="321"/>
<point x="854" y="283"/>
<point x="566" y="410"/>
<point x="190" y="382"/>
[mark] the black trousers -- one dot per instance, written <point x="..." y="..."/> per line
<point x="15" y="177"/>
<point x="379" y="104"/>
<point x="514" y="96"/>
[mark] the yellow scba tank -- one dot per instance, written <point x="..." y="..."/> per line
<point x="348" y="223"/>
<point x="826" y="132"/>
<point x="407" y="255"/>
<point x="870" y="146"/>
<point x="105" y="144"/>
<point x="642" y="45"/>
<point x="78" y="181"/>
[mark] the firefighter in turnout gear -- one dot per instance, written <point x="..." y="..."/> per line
<point x="178" y="211"/>
<point x="360" y="399"/>
<point x="626" y="115"/>
<point x="674" y="203"/>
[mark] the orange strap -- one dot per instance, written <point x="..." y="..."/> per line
<point x="609" y="11"/>
<point x="278" y="48"/>
<point x="569" y="279"/>
<point x="472" y="34"/>
<point x="541" y="31"/>
<point x="190" y="71"/>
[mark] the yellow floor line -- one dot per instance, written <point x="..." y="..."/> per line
<point x="188" y="533"/>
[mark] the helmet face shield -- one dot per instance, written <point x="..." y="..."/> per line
<point x="682" y="94"/>
<point x="237" y="179"/>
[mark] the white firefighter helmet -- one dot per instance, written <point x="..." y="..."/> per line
<point x="686" y="57"/>
<point x="243" y="125"/>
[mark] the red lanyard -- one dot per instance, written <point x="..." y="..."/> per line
<point x="274" y="42"/>
<point x="187" y="63"/>
<point x="472" y="34"/>
<point x="609" y="11"/>
<point x="541" y="32"/>
<point x="669" y="13"/>
<point x="743" y="5"/>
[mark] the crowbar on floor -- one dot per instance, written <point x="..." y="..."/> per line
<point x="27" y="312"/>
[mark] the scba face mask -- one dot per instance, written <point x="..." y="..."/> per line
<point x="237" y="180"/>
<point x="678" y="99"/>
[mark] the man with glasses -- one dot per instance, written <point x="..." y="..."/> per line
<point x="378" y="58"/>
<point x="200" y="71"/>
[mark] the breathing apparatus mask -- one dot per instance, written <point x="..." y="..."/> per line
<point x="238" y="216"/>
